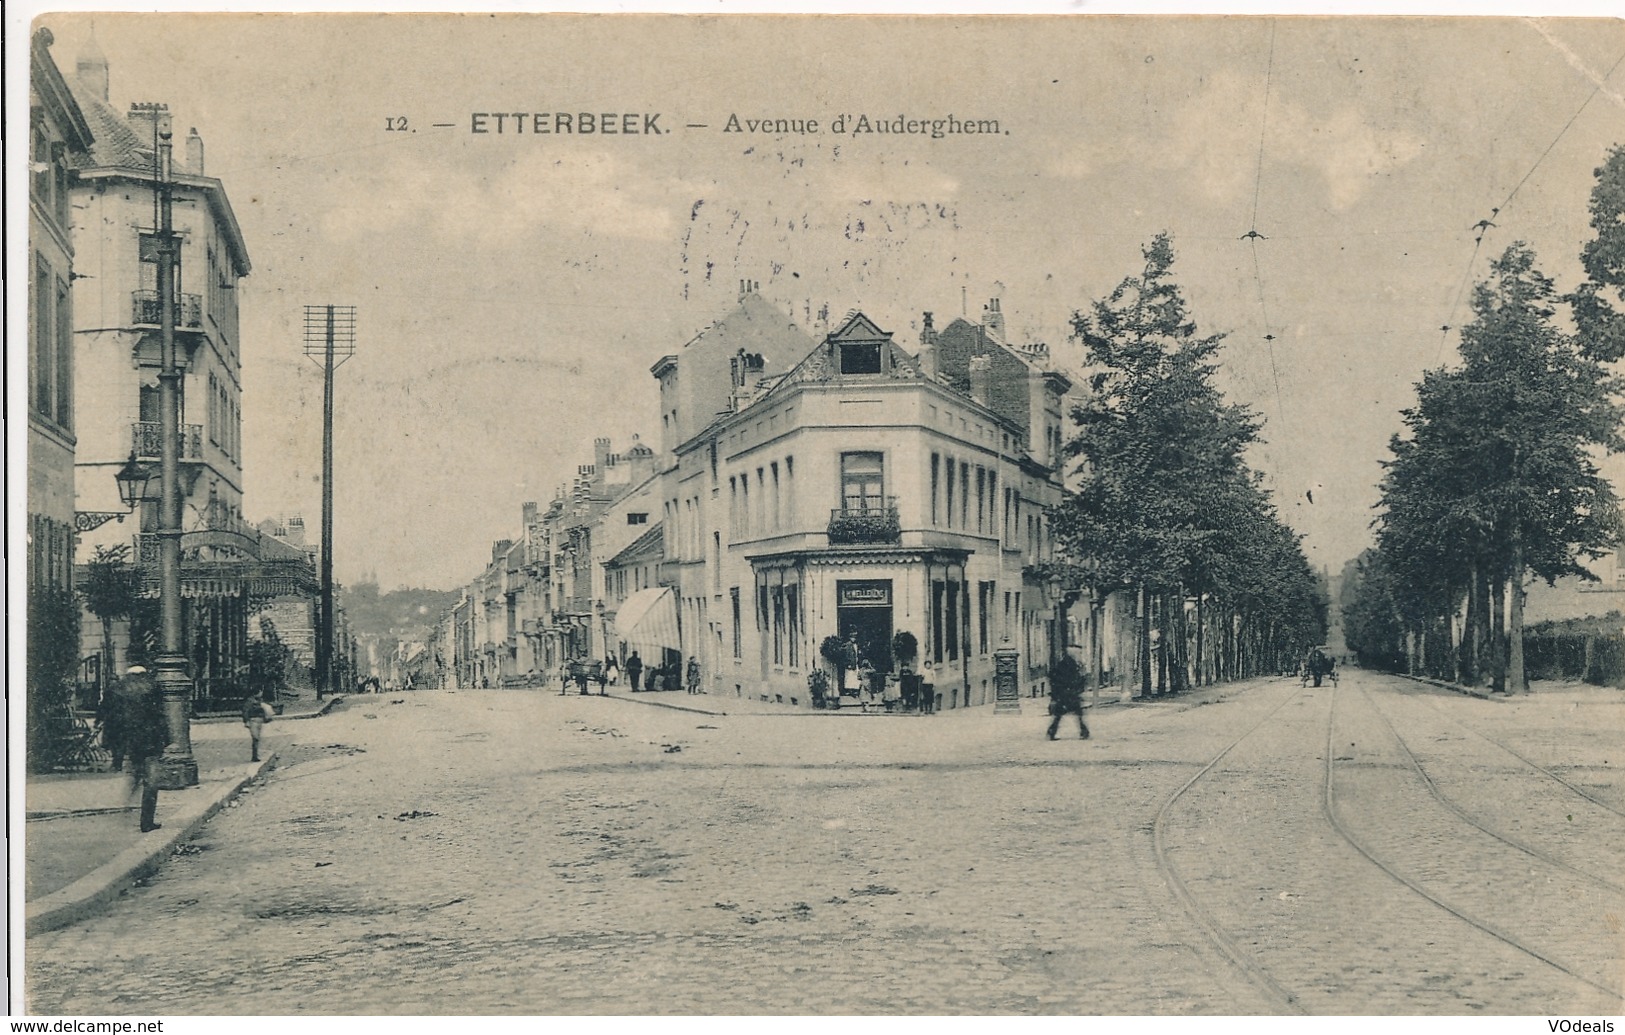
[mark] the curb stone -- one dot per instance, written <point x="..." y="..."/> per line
<point x="326" y="707"/>
<point x="1470" y="691"/>
<point x="95" y="890"/>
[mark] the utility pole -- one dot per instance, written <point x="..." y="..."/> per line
<point x="176" y="766"/>
<point x="330" y="335"/>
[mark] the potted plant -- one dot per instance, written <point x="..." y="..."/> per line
<point x="906" y="649"/>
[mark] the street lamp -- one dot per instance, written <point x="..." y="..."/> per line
<point x="132" y="481"/>
<point x="176" y="766"/>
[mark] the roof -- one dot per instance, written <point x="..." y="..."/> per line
<point x="53" y="91"/>
<point x="119" y="150"/>
<point x="650" y="544"/>
<point x="822" y="365"/>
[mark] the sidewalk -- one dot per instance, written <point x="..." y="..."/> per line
<point x="82" y="845"/>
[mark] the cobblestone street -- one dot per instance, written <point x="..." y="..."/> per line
<point x="523" y="852"/>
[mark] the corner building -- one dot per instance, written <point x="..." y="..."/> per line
<point x="864" y="492"/>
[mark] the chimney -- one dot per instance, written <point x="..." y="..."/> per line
<point x="194" y="153"/>
<point x="528" y="514"/>
<point x="981" y="378"/>
<point x="993" y="320"/>
<point x="928" y="332"/>
<point x="141" y="121"/>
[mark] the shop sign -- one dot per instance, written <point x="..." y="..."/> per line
<point x="865" y="593"/>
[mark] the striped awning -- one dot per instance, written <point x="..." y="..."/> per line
<point x="647" y="620"/>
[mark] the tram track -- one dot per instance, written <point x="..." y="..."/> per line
<point x="1537" y="767"/>
<point x="1329" y="802"/>
<point x="1466" y="817"/>
<point x="1222" y="842"/>
<point x="1203" y="918"/>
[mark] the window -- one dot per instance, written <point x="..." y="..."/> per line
<point x="950" y="464"/>
<point x="638" y="519"/>
<point x="778" y="625"/>
<point x="993" y="504"/>
<point x="64" y="355"/>
<point x="148" y="244"/>
<point x="862" y="481"/>
<point x="733" y="595"/>
<point x="777" y="508"/>
<point x="793" y="612"/>
<point x="935" y="488"/>
<point x="981" y="498"/>
<point x="790" y="489"/>
<point x="950" y="621"/>
<point x="860" y="357"/>
<point x="937" y="587"/>
<point x="964" y="494"/>
<point x="985" y="596"/>
<point x="44" y="361"/>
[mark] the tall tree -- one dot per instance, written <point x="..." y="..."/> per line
<point x="1164" y="501"/>
<point x="1498" y="480"/>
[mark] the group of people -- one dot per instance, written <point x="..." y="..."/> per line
<point x="608" y="673"/>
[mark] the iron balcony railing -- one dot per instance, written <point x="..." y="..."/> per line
<point x="146" y="310"/>
<point x="146" y="438"/>
<point x="872" y="521"/>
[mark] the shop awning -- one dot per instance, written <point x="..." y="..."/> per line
<point x="647" y="620"/>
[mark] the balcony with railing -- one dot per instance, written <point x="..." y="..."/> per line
<point x="868" y="522"/>
<point x="145" y="310"/>
<point x="146" y="438"/>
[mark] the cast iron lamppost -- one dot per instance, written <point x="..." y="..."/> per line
<point x="132" y="481"/>
<point x="176" y="766"/>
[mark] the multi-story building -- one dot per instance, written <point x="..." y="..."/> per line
<point x="117" y="356"/>
<point x="863" y="492"/>
<point x="59" y="138"/>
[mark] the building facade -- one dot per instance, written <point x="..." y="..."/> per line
<point x="229" y="570"/>
<point x="861" y="494"/>
<point x="59" y="139"/>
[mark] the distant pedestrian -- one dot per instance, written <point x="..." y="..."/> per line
<point x="144" y="737"/>
<point x="110" y="713"/>
<point x="564" y="679"/>
<point x="866" y="683"/>
<point x="1066" y="696"/>
<point x="256" y="713"/>
<point x="612" y="670"/>
<point x="892" y="696"/>
<point x="693" y="675"/>
<point x="634" y="671"/>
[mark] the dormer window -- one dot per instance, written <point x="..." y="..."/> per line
<point x="860" y="357"/>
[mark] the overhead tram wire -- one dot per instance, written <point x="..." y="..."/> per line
<point x="1252" y="236"/>
<point x="1483" y="226"/>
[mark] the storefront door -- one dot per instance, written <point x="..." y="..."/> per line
<point x="864" y="613"/>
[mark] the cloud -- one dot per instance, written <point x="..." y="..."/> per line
<point x="506" y="203"/>
<point x="1215" y="138"/>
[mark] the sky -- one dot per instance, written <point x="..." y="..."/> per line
<point x="513" y="290"/>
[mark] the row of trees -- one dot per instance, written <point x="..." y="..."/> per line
<point x="1495" y="480"/>
<point x="1165" y="505"/>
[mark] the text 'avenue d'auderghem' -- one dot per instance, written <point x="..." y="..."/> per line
<point x="560" y="123"/>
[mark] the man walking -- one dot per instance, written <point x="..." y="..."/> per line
<point x="256" y="714"/>
<point x="634" y="671"/>
<point x="144" y="737"/>
<point x="1066" y="696"/>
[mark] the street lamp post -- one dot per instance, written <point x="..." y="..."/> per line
<point x="176" y="766"/>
